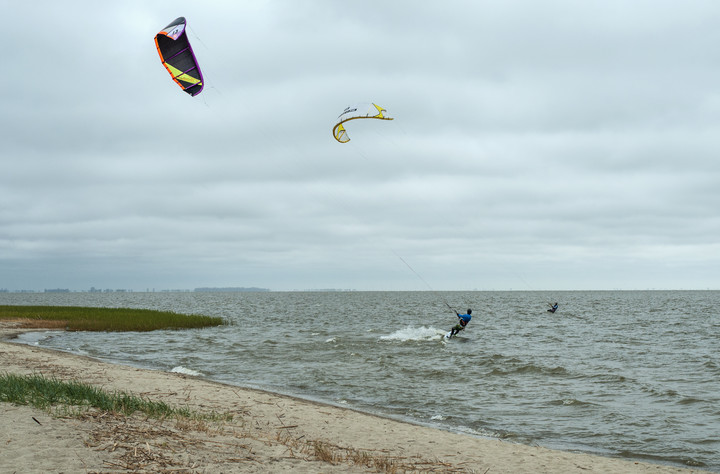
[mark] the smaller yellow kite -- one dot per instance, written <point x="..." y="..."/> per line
<point x="357" y="112"/>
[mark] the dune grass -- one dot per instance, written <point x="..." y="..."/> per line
<point x="122" y="431"/>
<point x="41" y="392"/>
<point x="75" y="318"/>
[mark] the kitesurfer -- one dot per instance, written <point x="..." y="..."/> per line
<point x="553" y="308"/>
<point x="463" y="320"/>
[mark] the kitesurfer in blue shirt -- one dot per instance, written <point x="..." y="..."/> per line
<point x="463" y="320"/>
<point x="553" y="308"/>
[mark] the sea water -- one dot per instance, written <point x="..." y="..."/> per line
<point x="629" y="374"/>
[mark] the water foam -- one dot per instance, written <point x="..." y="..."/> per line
<point x="415" y="334"/>
<point x="184" y="370"/>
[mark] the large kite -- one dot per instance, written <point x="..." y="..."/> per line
<point x="177" y="56"/>
<point x="357" y="112"/>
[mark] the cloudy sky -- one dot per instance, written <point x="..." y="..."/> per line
<point x="536" y="146"/>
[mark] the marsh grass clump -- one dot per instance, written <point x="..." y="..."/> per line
<point x="76" y="318"/>
<point x="41" y="392"/>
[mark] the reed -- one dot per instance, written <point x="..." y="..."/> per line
<point x="75" y="318"/>
<point x="41" y="392"/>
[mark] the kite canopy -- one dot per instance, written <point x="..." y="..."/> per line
<point x="177" y="56"/>
<point x="357" y="112"/>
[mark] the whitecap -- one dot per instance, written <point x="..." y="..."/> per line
<point x="183" y="370"/>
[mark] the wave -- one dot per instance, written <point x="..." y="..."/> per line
<point x="712" y="366"/>
<point x="531" y="369"/>
<point x="678" y="459"/>
<point x="184" y="370"/>
<point x="570" y="402"/>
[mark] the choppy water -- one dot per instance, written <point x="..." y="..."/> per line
<point x="628" y="374"/>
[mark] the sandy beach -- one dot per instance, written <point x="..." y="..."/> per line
<point x="267" y="433"/>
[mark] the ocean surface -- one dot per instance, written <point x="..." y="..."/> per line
<point x="629" y="374"/>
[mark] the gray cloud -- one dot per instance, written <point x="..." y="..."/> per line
<point x="558" y="145"/>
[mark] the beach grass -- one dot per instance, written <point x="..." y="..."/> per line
<point x="75" y="318"/>
<point x="126" y="432"/>
<point x="44" y="393"/>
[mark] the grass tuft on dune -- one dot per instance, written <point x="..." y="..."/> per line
<point x="45" y="393"/>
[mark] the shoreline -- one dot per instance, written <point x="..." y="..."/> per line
<point x="269" y="432"/>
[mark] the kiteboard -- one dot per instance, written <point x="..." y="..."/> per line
<point x="448" y="335"/>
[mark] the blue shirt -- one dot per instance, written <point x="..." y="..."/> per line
<point x="464" y="319"/>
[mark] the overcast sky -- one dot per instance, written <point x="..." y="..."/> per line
<point x="536" y="146"/>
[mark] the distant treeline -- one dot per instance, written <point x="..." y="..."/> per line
<point x="229" y="289"/>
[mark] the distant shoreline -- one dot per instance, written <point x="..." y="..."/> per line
<point x="331" y="290"/>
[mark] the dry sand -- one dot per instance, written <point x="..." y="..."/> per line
<point x="268" y="432"/>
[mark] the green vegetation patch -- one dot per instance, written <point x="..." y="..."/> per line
<point x="41" y="392"/>
<point x="75" y="318"/>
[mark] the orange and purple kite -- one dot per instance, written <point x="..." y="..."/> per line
<point x="178" y="58"/>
